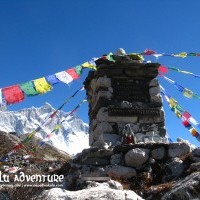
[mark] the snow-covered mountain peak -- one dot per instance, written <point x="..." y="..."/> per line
<point x="72" y="137"/>
<point x="47" y="107"/>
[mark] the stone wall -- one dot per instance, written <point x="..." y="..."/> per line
<point x="124" y="100"/>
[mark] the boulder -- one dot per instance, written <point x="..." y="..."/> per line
<point x="174" y="168"/>
<point x="178" y="149"/>
<point x="118" y="171"/>
<point x="158" y="153"/>
<point x="187" y="188"/>
<point x="94" y="193"/>
<point x="136" y="157"/>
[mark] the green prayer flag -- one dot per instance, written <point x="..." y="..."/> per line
<point x="28" y="88"/>
<point x="180" y="109"/>
<point x="79" y="69"/>
<point x="110" y="57"/>
<point x="173" y="68"/>
<point x="192" y="54"/>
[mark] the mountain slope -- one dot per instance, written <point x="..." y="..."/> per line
<point x="72" y="137"/>
<point x="48" y="152"/>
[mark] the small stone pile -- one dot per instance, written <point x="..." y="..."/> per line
<point x="144" y="167"/>
<point x="124" y="99"/>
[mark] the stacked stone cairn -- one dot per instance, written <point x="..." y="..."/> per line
<point x="125" y="105"/>
<point x="128" y="138"/>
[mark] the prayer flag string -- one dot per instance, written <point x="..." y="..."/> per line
<point x="149" y="52"/>
<point x="164" y="70"/>
<point x="181" y="113"/>
<point x="17" y="93"/>
<point x="186" y="92"/>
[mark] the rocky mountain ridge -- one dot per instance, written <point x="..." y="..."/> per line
<point x="73" y="133"/>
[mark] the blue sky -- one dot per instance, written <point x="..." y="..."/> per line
<point x="42" y="37"/>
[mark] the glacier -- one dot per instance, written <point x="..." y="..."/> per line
<point x="72" y="137"/>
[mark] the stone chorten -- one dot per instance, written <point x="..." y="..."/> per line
<point x="124" y="100"/>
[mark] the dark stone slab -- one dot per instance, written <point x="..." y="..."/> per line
<point x="127" y="147"/>
<point x="133" y="69"/>
<point x="113" y="111"/>
<point x="130" y="90"/>
<point x="101" y="153"/>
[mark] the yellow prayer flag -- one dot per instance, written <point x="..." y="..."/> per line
<point x="42" y="86"/>
<point x="182" y="55"/>
<point x="178" y="114"/>
<point x="89" y="65"/>
<point x="172" y="103"/>
<point x="187" y="93"/>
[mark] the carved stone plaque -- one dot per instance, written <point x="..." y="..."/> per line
<point x="130" y="90"/>
<point x="113" y="111"/>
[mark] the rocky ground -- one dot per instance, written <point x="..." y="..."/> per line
<point x="152" y="171"/>
<point x="44" y="160"/>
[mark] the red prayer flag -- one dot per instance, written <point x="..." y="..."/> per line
<point x="185" y="123"/>
<point x="148" y="52"/>
<point x="186" y="115"/>
<point x="163" y="69"/>
<point x="72" y="73"/>
<point x="13" y="94"/>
